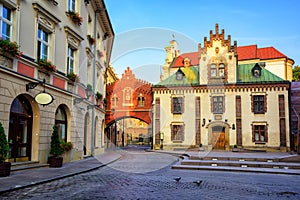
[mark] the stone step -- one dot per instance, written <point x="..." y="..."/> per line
<point x="238" y="169"/>
<point x="242" y="163"/>
<point x="19" y="166"/>
<point x="236" y="159"/>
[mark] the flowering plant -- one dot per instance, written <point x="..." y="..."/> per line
<point x="75" y="17"/>
<point x="91" y="39"/>
<point x="10" y="47"/>
<point x="72" y="76"/>
<point x="46" y="65"/>
<point x="66" y="146"/>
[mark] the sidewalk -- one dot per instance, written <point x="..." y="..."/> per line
<point x="22" y="179"/>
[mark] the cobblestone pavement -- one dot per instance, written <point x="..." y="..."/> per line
<point x="147" y="175"/>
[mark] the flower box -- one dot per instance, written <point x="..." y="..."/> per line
<point x="75" y="17"/>
<point x="10" y="48"/>
<point x="46" y="65"/>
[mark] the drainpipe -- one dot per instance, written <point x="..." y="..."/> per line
<point x="94" y="85"/>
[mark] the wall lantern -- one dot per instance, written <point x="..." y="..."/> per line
<point x="88" y="93"/>
<point x="44" y="98"/>
<point x="233" y="126"/>
<point x="203" y="122"/>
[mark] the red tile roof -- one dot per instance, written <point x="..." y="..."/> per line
<point x="252" y="52"/>
<point x="193" y="56"/>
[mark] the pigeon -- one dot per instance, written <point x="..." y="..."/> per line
<point x="177" y="179"/>
<point x="198" y="182"/>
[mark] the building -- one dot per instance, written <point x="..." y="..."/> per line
<point x="223" y="96"/>
<point x="66" y="46"/>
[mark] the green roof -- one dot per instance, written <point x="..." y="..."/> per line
<point x="191" y="77"/>
<point x="245" y="74"/>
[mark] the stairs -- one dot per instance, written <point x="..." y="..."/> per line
<point x="20" y="166"/>
<point x="239" y="164"/>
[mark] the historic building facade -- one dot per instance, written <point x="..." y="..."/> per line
<point x="223" y="96"/>
<point x="65" y="47"/>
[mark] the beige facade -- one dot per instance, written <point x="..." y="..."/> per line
<point x="78" y="44"/>
<point x="220" y="103"/>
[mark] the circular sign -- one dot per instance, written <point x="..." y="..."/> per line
<point x="44" y="98"/>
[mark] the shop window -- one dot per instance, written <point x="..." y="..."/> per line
<point x="61" y="123"/>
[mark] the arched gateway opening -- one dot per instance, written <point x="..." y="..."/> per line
<point x="128" y="111"/>
<point x="20" y="130"/>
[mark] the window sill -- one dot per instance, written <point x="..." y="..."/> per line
<point x="177" y="113"/>
<point x="257" y="142"/>
<point x="177" y="141"/>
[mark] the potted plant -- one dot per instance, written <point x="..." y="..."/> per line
<point x="235" y="148"/>
<point x="12" y="48"/>
<point x="91" y="39"/>
<point x="46" y="65"/>
<point x="104" y="102"/>
<point x="56" y="150"/>
<point x="75" y="17"/>
<point x="72" y="76"/>
<point x="99" y="96"/>
<point x="4" y="149"/>
<point x="201" y="148"/>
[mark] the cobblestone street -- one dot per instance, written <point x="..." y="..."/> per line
<point x="147" y="175"/>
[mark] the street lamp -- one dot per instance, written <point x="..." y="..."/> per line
<point x="88" y="93"/>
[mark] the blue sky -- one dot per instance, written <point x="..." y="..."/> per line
<point x="143" y="28"/>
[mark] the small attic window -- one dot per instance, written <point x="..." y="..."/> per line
<point x="179" y="74"/>
<point x="256" y="71"/>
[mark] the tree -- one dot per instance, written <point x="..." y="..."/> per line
<point x="4" y="148"/>
<point x="55" y="147"/>
<point x="296" y="73"/>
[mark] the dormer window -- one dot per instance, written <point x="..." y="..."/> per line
<point x="179" y="74"/>
<point x="256" y="71"/>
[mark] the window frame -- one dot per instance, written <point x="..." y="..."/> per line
<point x="63" y="122"/>
<point x="72" y="5"/>
<point x="257" y="130"/>
<point x="259" y="106"/>
<point x="8" y="22"/>
<point x="216" y="104"/>
<point x="216" y="69"/>
<point x="177" y="106"/>
<point x="177" y="132"/>
<point x="41" y="42"/>
<point x="70" y="59"/>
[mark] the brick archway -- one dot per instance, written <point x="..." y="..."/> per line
<point x="128" y="97"/>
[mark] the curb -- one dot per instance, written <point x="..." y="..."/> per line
<point x="58" y="177"/>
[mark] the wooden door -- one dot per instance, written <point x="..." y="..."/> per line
<point x="218" y="138"/>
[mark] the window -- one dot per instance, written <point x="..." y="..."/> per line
<point x="260" y="133"/>
<point x="6" y="22"/>
<point x="177" y="132"/>
<point x="177" y="105"/>
<point x="115" y="101"/>
<point x="70" y="61"/>
<point x="71" y="5"/>
<point x="43" y="45"/>
<point x="217" y="70"/>
<point x="61" y="123"/>
<point x="141" y="101"/>
<point x="218" y="104"/>
<point x="259" y="104"/>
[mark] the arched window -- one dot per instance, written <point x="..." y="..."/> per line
<point x="61" y="122"/>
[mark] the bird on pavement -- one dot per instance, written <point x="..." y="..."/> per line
<point x="177" y="179"/>
<point x="198" y="182"/>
